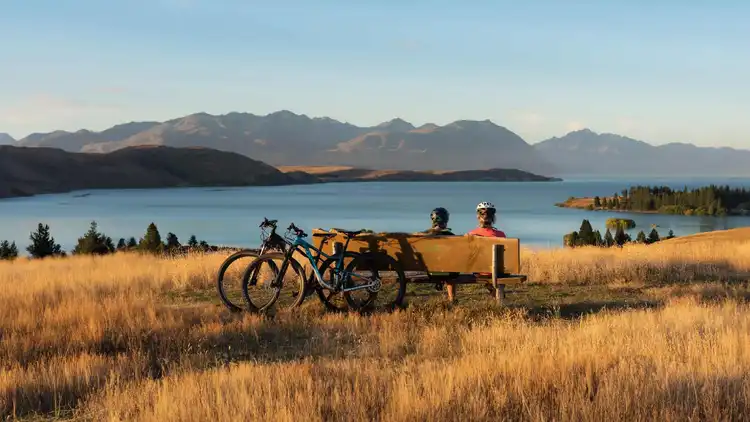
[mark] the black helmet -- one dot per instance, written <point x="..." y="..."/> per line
<point x="439" y="216"/>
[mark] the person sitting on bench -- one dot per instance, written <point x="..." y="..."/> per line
<point x="486" y="218"/>
<point x="486" y="221"/>
<point x="440" y="217"/>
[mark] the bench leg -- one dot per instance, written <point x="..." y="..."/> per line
<point x="500" y="294"/>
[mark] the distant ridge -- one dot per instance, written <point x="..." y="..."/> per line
<point x="285" y="138"/>
<point x="30" y="171"/>
<point x="585" y="152"/>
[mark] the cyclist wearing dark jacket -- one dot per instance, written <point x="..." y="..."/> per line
<point x="439" y="217"/>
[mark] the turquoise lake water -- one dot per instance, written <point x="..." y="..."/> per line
<point x="230" y="216"/>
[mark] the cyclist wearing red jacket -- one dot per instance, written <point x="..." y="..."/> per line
<point x="486" y="219"/>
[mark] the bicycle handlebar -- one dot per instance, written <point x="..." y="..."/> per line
<point x="268" y="223"/>
<point x="299" y="232"/>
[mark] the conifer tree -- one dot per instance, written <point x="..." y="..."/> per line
<point x="94" y="243"/>
<point x="609" y="241"/>
<point x="597" y="202"/>
<point x="653" y="237"/>
<point x="132" y="243"/>
<point x="598" y="241"/>
<point x="641" y="237"/>
<point x="43" y="244"/>
<point x="586" y="234"/>
<point x="8" y="250"/>
<point x="620" y="237"/>
<point x="121" y="245"/>
<point x="151" y="242"/>
<point x="193" y="242"/>
<point x="173" y="243"/>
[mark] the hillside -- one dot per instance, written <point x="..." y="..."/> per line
<point x="353" y="174"/>
<point x="585" y="152"/>
<point x="741" y="235"/>
<point x="461" y="145"/>
<point x="6" y="139"/>
<point x="29" y="171"/>
<point x="286" y="138"/>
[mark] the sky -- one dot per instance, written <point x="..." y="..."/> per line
<point x="666" y="71"/>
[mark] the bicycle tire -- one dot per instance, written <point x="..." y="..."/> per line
<point x="375" y="261"/>
<point x="270" y="257"/>
<point x="325" y="295"/>
<point x="220" y="277"/>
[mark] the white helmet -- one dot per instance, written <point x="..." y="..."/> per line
<point x="485" y="205"/>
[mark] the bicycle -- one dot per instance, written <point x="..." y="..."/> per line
<point x="269" y="242"/>
<point x="341" y="274"/>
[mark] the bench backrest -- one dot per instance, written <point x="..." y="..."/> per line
<point x="464" y="254"/>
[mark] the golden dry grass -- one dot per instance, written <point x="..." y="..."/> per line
<point x="114" y="338"/>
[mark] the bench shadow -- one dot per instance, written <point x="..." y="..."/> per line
<point x="570" y="311"/>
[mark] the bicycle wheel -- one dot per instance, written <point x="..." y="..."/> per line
<point x="387" y="295"/>
<point x="225" y="277"/>
<point x="257" y="284"/>
<point x="332" y="300"/>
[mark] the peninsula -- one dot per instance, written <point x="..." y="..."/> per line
<point x="26" y="171"/>
<point x="330" y="174"/>
<point x="705" y="201"/>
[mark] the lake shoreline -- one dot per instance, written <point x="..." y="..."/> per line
<point x="586" y="203"/>
<point x="17" y="193"/>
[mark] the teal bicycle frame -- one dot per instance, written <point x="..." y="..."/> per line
<point x="300" y="242"/>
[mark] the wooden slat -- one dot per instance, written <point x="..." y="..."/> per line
<point x="462" y="254"/>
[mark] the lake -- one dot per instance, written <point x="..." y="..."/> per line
<point x="230" y="216"/>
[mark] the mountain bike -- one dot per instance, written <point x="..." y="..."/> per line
<point x="340" y="272"/>
<point x="270" y="241"/>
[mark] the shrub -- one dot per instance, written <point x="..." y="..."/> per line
<point x="625" y="223"/>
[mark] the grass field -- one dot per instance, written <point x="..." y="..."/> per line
<point x="655" y="332"/>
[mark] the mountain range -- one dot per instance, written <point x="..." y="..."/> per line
<point x="284" y="138"/>
<point x="585" y="152"/>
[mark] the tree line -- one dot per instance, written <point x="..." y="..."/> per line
<point x="587" y="236"/>
<point x="93" y="242"/>
<point x="710" y="200"/>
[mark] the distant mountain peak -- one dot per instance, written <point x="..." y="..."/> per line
<point x="396" y="125"/>
<point x="467" y="124"/>
<point x="6" y="139"/>
<point x="584" y="131"/>
<point x="285" y="114"/>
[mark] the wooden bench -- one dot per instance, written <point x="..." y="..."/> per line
<point x="472" y="259"/>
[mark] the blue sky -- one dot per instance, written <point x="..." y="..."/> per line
<point x="676" y="71"/>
